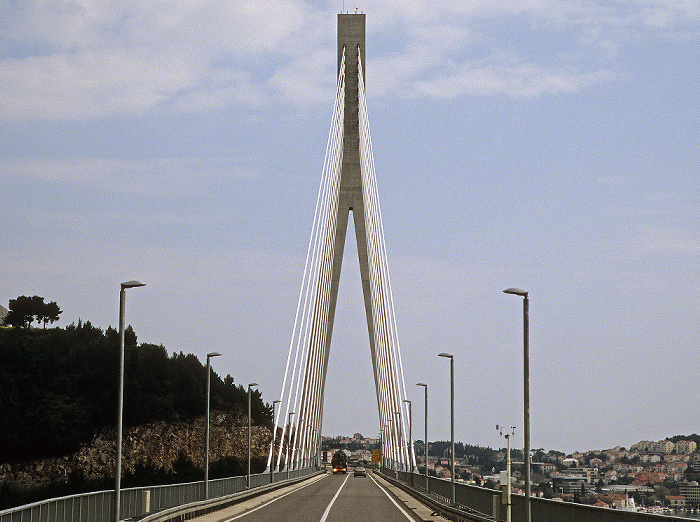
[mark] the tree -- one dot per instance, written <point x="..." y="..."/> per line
<point x="21" y="312"/>
<point x="38" y="308"/>
<point x="24" y="310"/>
<point x="51" y="313"/>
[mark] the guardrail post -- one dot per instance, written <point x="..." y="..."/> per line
<point x="496" y="507"/>
<point x="145" y="501"/>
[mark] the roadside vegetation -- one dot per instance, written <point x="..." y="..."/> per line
<point x="58" y="388"/>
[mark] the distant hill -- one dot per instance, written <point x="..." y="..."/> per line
<point x="58" y="389"/>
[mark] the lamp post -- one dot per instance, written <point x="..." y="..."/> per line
<point x="314" y="455"/>
<point x="425" y="441"/>
<point x="398" y="426"/>
<point x="299" y="453"/>
<point x="251" y="385"/>
<point x="289" y="438"/>
<point x="508" y="470"/>
<point x="385" y="433"/>
<point x="120" y="407"/>
<point x="392" y="442"/>
<point x="526" y="393"/>
<point x="274" y="435"/>
<point x="206" y="435"/>
<point x="452" y="419"/>
<point x="411" y="459"/>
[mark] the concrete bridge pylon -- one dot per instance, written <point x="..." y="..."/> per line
<point x="348" y="184"/>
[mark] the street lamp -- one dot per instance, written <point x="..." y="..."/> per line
<point x="206" y="435"/>
<point x="385" y="448"/>
<point x="298" y="436"/>
<point x="411" y="458"/>
<point x="274" y="436"/>
<point x="508" y="468"/>
<point x="452" y="418"/>
<point x="392" y="442"/>
<point x="398" y="427"/>
<point x="526" y="393"/>
<point x="289" y="433"/>
<point x="425" y="441"/>
<point x="120" y="407"/>
<point x="252" y="384"/>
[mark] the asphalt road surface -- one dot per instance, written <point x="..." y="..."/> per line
<point x="332" y="498"/>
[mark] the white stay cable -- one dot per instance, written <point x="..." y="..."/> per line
<point x="315" y="313"/>
<point x="315" y="344"/>
<point x="381" y="272"/>
<point x="307" y="292"/>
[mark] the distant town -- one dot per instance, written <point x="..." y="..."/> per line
<point x="651" y="476"/>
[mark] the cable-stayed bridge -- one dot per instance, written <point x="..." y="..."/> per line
<point x="295" y="485"/>
<point x="348" y="184"/>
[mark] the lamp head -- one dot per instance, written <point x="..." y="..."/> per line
<point x="445" y="354"/>
<point x="421" y="384"/>
<point x="515" y="291"/>
<point x="213" y="354"/>
<point x="132" y="284"/>
<point x="252" y="384"/>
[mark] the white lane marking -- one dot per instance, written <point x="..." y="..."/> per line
<point x="273" y="500"/>
<point x="409" y="517"/>
<point x="328" y="509"/>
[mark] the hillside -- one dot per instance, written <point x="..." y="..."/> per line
<point x="158" y="444"/>
<point x="58" y="389"/>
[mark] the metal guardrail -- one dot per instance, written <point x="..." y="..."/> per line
<point x="488" y="502"/>
<point x="203" y="507"/>
<point x="436" y="501"/>
<point x="98" y="506"/>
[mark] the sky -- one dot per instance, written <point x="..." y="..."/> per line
<point x="551" y="146"/>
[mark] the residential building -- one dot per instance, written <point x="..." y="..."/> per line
<point x="662" y="446"/>
<point x="643" y="446"/>
<point x="686" y="447"/>
<point x="568" y="483"/>
<point x="676" y="458"/>
<point x="650" y="458"/>
<point x="610" y="475"/>
<point x="694" y="461"/>
<point x="643" y="477"/>
<point x="691" y="492"/>
<point x="648" y="477"/>
<point x="676" y="467"/>
<point x="546" y="467"/>
<point x="624" y="502"/>
<point x="587" y="473"/>
<point x="675" y="501"/>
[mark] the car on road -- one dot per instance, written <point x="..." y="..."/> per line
<point x="360" y="472"/>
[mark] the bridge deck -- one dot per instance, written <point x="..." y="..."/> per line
<point x="329" y="498"/>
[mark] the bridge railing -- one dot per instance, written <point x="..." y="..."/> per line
<point x="488" y="502"/>
<point x="478" y="499"/>
<point x="98" y="506"/>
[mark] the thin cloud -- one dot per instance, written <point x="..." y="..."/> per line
<point x="516" y="80"/>
<point x="668" y="240"/>
<point x="80" y="60"/>
<point x="147" y="177"/>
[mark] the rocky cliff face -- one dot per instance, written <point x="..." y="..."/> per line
<point x="158" y="442"/>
